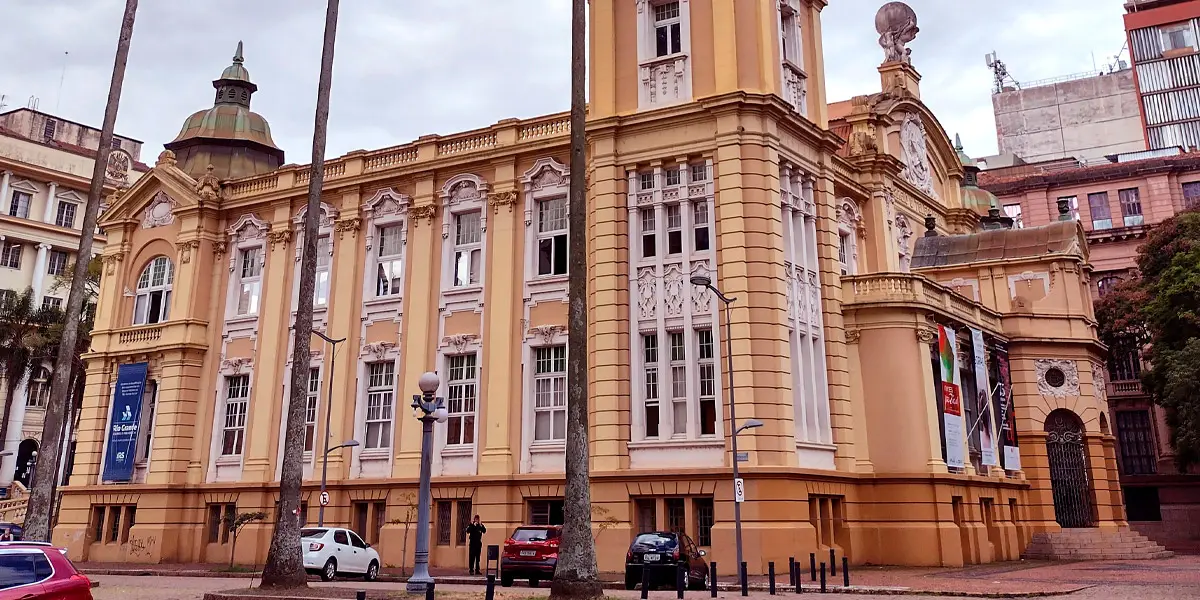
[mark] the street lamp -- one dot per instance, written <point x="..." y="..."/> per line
<point x="328" y="414"/>
<point x="433" y="409"/>
<point x="705" y="282"/>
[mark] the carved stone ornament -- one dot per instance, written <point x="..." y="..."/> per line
<point x="160" y="211"/>
<point x="166" y="158"/>
<point x="1057" y="377"/>
<point x="896" y="23"/>
<point x="926" y="334"/>
<point x="547" y="173"/>
<point x="208" y="187"/>
<point x="852" y="336"/>
<point x="378" y="349"/>
<point x="185" y="250"/>
<point x="904" y="234"/>
<point x="914" y="150"/>
<point x="500" y="199"/>
<point x="111" y="261"/>
<point x="328" y="215"/>
<point x="1098" y="379"/>
<point x="283" y="236"/>
<point x="673" y="290"/>
<point x="236" y="366"/>
<point x="248" y="227"/>
<point x="459" y="342"/>
<point x="116" y="169"/>
<point x="386" y="202"/>
<point x="424" y="211"/>
<point x="647" y="286"/>
<point x="349" y="224"/>
<point x="219" y="249"/>
<point x="547" y="332"/>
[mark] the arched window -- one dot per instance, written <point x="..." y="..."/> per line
<point x="1106" y="284"/>
<point x="153" y="303"/>
<point x="39" y="388"/>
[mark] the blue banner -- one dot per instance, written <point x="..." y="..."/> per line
<point x="125" y="422"/>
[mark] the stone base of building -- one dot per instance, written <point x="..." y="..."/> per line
<point x="919" y="520"/>
<point x="1094" y="544"/>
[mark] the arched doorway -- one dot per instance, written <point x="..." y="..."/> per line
<point x="26" y="453"/>
<point x="1066" y="451"/>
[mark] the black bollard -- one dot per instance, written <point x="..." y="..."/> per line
<point x="799" y="588"/>
<point x="791" y="570"/>
<point x="812" y="566"/>
<point x="680" y="579"/>
<point x="832" y="563"/>
<point x="429" y="591"/>
<point x="712" y="578"/>
<point x="822" y="578"/>
<point x="360" y="595"/>
<point x="745" y="584"/>
<point x="771" y="577"/>
<point x="490" y="593"/>
<point x="645" y="581"/>
<point x="845" y="572"/>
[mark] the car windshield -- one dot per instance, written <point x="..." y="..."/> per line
<point x="656" y="540"/>
<point x="23" y="568"/>
<point x="312" y="533"/>
<point x="534" y="534"/>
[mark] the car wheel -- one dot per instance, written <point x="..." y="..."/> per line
<point x="506" y="580"/>
<point x="372" y="572"/>
<point x="329" y="571"/>
<point x="534" y="582"/>
<point x="699" y="584"/>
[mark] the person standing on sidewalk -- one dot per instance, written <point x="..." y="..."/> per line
<point x="475" y="533"/>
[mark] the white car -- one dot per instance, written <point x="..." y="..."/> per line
<point x="333" y="551"/>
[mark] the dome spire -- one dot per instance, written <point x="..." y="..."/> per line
<point x="237" y="57"/>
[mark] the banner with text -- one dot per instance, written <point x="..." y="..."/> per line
<point x="983" y="404"/>
<point x="951" y="400"/>
<point x="124" y="422"/>
<point x="1005" y="417"/>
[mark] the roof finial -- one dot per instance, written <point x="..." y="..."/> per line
<point x="237" y="58"/>
<point x="958" y="142"/>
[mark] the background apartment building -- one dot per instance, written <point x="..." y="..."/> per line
<point x="46" y="165"/>
<point x="1162" y="43"/>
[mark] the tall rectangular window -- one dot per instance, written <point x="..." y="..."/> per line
<point x="57" y="265"/>
<point x="464" y="519"/>
<point x="552" y="237"/>
<point x="674" y="229"/>
<point x="679" y="395"/>
<point x="650" y="358"/>
<point x="668" y="36"/>
<point x="1098" y="205"/>
<point x="673" y="176"/>
<point x="1191" y="195"/>
<point x="310" y="409"/>
<point x="381" y="384"/>
<point x="550" y="394"/>
<point x="649" y="237"/>
<point x="50" y="129"/>
<point x="1072" y="205"/>
<point x="461" y="395"/>
<point x="700" y="225"/>
<point x="676" y="520"/>
<point x="844" y="253"/>
<point x="790" y="36"/>
<point x="10" y="255"/>
<point x="1131" y="206"/>
<point x="324" y="259"/>
<point x="444" y="527"/>
<point x="390" y="268"/>
<point x="708" y="382"/>
<point x="65" y="217"/>
<point x="20" y="205"/>
<point x="1013" y="211"/>
<point x="250" y="280"/>
<point x="468" y="248"/>
<point x="704" y="520"/>
<point x="1135" y="437"/>
<point x="237" y="398"/>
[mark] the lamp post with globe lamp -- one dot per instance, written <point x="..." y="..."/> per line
<point x="428" y="409"/>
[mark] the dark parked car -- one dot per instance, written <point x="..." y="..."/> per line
<point x="661" y="554"/>
<point x="531" y="552"/>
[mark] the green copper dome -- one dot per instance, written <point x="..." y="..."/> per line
<point x="973" y="197"/>
<point x="237" y="71"/>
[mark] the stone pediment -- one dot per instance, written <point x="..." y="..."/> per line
<point x="153" y="200"/>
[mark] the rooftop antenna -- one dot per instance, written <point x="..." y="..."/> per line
<point x="3" y="97"/>
<point x="61" y="79"/>
<point x="1000" y="73"/>
<point x="33" y="103"/>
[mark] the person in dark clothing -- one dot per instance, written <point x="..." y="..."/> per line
<point x="475" y="533"/>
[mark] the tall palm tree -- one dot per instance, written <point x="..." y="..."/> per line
<point x="575" y="576"/>
<point x="37" y="516"/>
<point x="26" y="338"/>
<point x="285" y="564"/>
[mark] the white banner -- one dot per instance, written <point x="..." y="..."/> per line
<point x="952" y="417"/>
<point x="983" y="404"/>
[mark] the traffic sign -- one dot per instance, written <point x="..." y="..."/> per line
<point x="739" y="490"/>
<point x="324" y="498"/>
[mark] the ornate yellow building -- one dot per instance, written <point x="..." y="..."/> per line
<point x="712" y="151"/>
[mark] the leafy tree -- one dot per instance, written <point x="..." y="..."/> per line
<point x="27" y="336"/>
<point x="1159" y="313"/>
<point x="234" y="526"/>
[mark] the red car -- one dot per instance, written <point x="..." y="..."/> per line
<point x="37" y="572"/>
<point x="531" y="552"/>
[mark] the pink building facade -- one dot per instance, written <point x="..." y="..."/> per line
<point x="1117" y="204"/>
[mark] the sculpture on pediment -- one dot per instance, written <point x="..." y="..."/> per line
<point x="208" y="186"/>
<point x="160" y="211"/>
<point x="914" y="153"/>
<point x="116" y="169"/>
<point x="896" y="23"/>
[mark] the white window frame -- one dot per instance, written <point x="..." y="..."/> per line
<point x="467" y="263"/>
<point x="708" y="364"/>
<point x="467" y="388"/>
<point x="663" y="80"/>
<point x="387" y="208"/>
<point x="651" y="385"/>
<point x="677" y="349"/>
<point x="52" y="302"/>
<point x="238" y="427"/>
<point x="312" y="411"/>
<point x="539" y="456"/>
<point x="382" y="390"/>
<point x="61" y="209"/>
<point x="849" y="222"/>
<point x="39" y="388"/>
<point x="463" y="194"/>
<point x="557" y="238"/>
<point x="389" y="268"/>
<point x="553" y="404"/>
<point x="793" y="77"/>
<point x="248" y="233"/>
<point x="147" y="291"/>
<point x="22" y="197"/>
<point x="250" y="283"/>
<point x="10" y="255"/>
<point x="329" y="214"/>
<point x="61" y="264"/>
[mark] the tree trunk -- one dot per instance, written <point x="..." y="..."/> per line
<point x="37" y="517"/>
<point x="68" y="427"/>
<point x="285" y="565"/>
<point x="575" y="576"/>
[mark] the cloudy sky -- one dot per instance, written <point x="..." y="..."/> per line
<point x="404" y="68"/>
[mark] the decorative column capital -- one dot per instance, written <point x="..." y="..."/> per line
<point x="927" y="334"/>
<point x="44" y="247"/>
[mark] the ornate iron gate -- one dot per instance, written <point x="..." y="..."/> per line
<point x="1069" y="470"/>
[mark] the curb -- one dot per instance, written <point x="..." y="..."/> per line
<point x="608" y="585"/>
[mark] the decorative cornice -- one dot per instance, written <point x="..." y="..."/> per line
<point x="111" y="261"/>
<point x="185" y="250"/>
<point x="926" y="334"/>
<point x="423" y="211"/>
<point x="283" y="236"/>
<point x="499" y="199"/>
<point x="547" y="332"/>
<point x="350" y="224"/>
